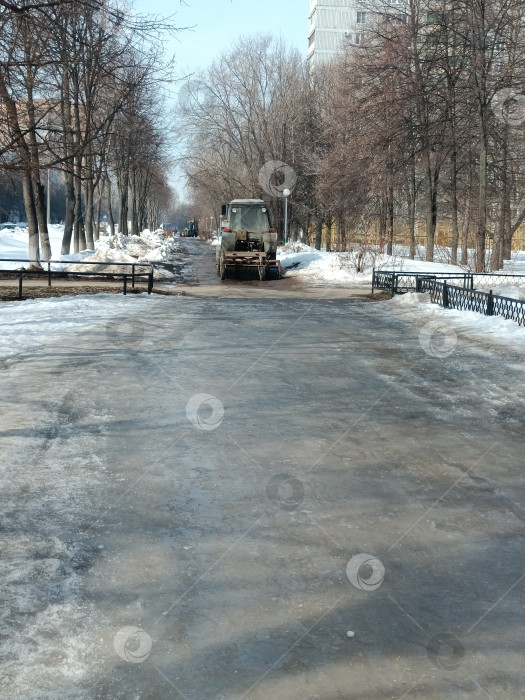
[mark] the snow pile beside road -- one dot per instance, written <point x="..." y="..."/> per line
<point x="418" y="308"/>
<point x="149" y="247"/>
<point x="13" y="244"/>
<point x="317" y="266"/>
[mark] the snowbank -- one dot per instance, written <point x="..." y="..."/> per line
<point x="319" y="267"/>
<point x="419" y="309"/>
<point x="149" y="247"/>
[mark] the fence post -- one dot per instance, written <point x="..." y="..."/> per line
<point x="393" y="290"/>
<point x="471" y="281"/>
<point x="133" y="276"/>
<point x="20" y="286"/>
<point x="48" y="274"/>
<point x="490" y="304"/>
<point x="373" y="278"/>
<point x="150" y="281"/>
<point x="445" y="294"/>
<point x="125" y="284"/>
<point x="418" y="283"/>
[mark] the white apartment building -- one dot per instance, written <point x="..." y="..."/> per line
<point x="334" y="23"/>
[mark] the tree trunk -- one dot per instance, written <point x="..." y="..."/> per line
<point x="431" y="176"/>
<point x="70" y="213"/>
<point x="329" y="234"/>
<point x="342" y="233"/>
<point x="318" y="233"/>
<point x="41" y="215"/>
<point x="110" y="208"/>
<point x="465" y="226"/>
<point x="383" y="210"/>
<point x="89" y="197"/>
<point x="481" y="233"/>
<point x="99" y="211"/>
<point x="412" y="210"/>
<point x="123" y="184"/>
<point x="134" y="212"/>
<point x="390" y="221"/>
<point x="79" y="241"/>
<point x="455" y="225"/>
<point x="32" y="222"/>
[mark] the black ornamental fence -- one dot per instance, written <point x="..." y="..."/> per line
<point x="443" y="290"/>
<point x="131" y="274"/>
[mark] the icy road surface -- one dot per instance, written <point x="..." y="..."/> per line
<point x="204" y="498"/>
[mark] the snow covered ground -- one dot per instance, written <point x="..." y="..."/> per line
<point x="149" y="247"/>
<point x="445" y="325"/>
<point x="318" y="266"/>
<point x="310" y="266"/>
<point x="26" y="326"/>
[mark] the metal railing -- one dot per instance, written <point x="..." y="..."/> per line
<point x="452" y="297"/>
<point x="132" y="275"/>
<point x="396" y="282"/>
<point x="400" y="282"/>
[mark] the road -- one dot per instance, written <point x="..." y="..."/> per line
<point x="203" y="496"/>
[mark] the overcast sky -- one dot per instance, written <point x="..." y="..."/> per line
<point x="216" y="24"/>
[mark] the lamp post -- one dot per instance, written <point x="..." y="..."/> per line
<point x="286" y="194"/>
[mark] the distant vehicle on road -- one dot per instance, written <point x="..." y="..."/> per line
<point x="192" y="230"/>
<point x="8" y="225"/>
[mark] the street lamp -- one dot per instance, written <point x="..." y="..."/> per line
<point x="286" y="194"/>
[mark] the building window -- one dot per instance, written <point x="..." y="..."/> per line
<point x="361" y="17"/>
<point x="357" y="39"/>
